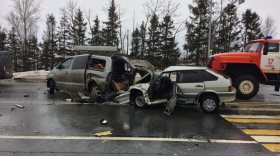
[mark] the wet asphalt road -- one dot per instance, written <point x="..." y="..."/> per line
<point x="48" y="125"/>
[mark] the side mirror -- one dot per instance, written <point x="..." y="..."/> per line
<point x="265" y="48"/>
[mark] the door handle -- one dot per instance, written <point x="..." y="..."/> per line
<point x="199" y="86"/>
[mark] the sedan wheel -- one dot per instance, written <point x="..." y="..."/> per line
<point x="209" y="104"/>
<point x="139" y="100"/>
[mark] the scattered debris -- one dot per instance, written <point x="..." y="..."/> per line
<point x="103" y="121"/>
<point x="45" y="93"/>
<point x="26" y="95"/>
<point x="100" y="134"/>
<point x="68" y="100"/>
<point x="19" y="106"/>
<point x="275" y="94"/>
<point x="234" y="106"/>
<point x="36" y="132"/>
<point x="12" y="109"/>
<point x="51" y="103"/>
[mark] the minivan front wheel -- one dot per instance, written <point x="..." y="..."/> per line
<point x="51" y="86"/>
<point x="209" y="104"/>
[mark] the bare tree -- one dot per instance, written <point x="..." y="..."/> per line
<point x="24" y="18"/>
<point x="69" y="10"/>
<point x="269" y="27"/>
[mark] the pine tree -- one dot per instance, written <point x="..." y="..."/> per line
<point x="33" y="53"/>
<point x="96" y="33"/>
<point x="64" y="40"/>
<point x="136" y="43"/>
<point x="197" y="30"/>
<point x="49" y="44"/>
<point x="79" y="29"/>
<point x="169" y="52"/>
<point x="153" y="43"/>
<point x="110" y="31"/>
<point x="251" y="23"/>
<point x="14" y="47"/>
<point x="228" y="35"/>
<point x="3" y="37"/>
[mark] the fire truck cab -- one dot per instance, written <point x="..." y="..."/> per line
<point x="259" y="63"/>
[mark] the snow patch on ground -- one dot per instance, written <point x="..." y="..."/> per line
<point x="38" y="74"/>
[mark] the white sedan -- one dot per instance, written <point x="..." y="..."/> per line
<point x="189" y="84"/>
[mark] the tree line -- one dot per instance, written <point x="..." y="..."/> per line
<point x="154" y="40"/>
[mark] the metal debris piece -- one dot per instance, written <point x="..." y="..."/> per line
<point x="26" y="95"/>
<point x="100" y="134"/>
<point x="19" y="106"/>
<point x="51" y="103"/>
<point x="36" y="132"/>
<point x="103" y="121"/>
<point x="12" y="109"/>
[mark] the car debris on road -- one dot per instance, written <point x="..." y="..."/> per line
<point x="19" y="106"/>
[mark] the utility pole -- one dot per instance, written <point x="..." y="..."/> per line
<point x="210" y="29"/>
<point x="127" y="39"/>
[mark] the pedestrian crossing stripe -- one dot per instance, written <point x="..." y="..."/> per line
<point x="267" y="139"/>
<point x="261" y="132"/>
<point x="270" y="139"/>
<point x="272" y="147"/>
<point x="244" y="120"/>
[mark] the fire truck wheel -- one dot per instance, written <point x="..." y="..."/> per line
<point x="247" y="87"/>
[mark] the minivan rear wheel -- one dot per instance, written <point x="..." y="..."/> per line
<point x="209" y="104"/>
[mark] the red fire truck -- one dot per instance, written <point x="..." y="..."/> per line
<point x="259" y="63"/>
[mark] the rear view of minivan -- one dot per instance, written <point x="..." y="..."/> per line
<point x="6" y="65"/>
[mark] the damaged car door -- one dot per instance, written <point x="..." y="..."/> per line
<point x="189" y="86"/>
<point x="76" y="76"/>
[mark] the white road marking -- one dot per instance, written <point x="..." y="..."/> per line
<point x="126" y="139"/>
<point x="251" y="116"/>
<point x="267" y="139"/>
<point x="256" y="109"/>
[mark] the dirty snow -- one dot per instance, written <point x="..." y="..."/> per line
<point x="39" y="74"/>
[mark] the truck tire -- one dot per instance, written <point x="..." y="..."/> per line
<point x="247" y="87"/>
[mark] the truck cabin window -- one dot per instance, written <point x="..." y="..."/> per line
<point x="253" y="47"/>
<point x="273" y="47"/>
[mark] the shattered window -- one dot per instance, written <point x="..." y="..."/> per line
<point x="97" y="64"/>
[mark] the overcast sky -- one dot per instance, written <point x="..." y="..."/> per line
<point x="263" y="7"/>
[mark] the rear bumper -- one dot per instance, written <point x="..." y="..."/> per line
<point x="227" y="96"/>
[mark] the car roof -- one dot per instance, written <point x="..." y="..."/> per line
<point x="181" y="68"/>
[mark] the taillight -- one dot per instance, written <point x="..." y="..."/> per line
<point x="4" y="68"/>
